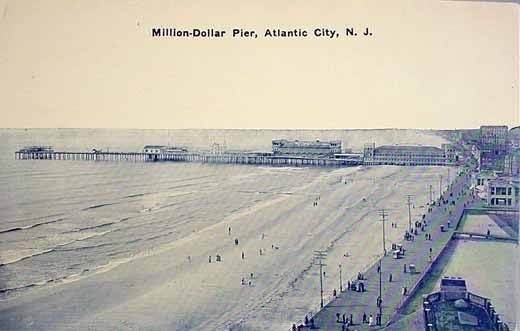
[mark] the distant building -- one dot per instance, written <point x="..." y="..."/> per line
<point x="161" y="149"/>
<point x="410" y="155"/>
<point x="514" y="137"/>
<point x="218" y="148"/>
<point x="493" y="137"/>
<point x="153" y="149"/>
<point x="37" y="149"/>
<point x="493" y="144"/>
<point x="312" y="148"/>
<point x="502" y="192"/>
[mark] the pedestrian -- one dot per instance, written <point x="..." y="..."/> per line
<point x="263" y="235"/>
<point x="251" y="275"/>
<point x="364" y="317"/>
<point x="334" y="293"/>
<point x="337" y="318"/>
<point x="243" y="255"/>
<point x="236" y="241"/>
<point x="229" y="231"/>
<point x="351" y="321"/>
<point x="344" y="319"/>
<point x="306" y="321"/>
<point x="209" y="259"/>
<point x="260" y="251"/>
<point x="378" y="269"/>
<point x="370" y="320"/>
<point x="390" y="278"/>
<point x="431" y="250"/>
<point x="404" y="268"/>
<point x="189" y="258"/>
<point x="348" y="285"/>
<point x="294" y="327"/>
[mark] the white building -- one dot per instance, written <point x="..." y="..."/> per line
<point x="502" y="192"/>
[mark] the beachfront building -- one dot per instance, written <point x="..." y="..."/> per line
<point x="493" y="137"/>
<point x="493" y="144"/>
<point x="502" y="192"/>
<point x="306" y="148"/>
<point x="409" y="155"/>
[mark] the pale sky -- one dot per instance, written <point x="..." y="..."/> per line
<point x="94" y="64"/>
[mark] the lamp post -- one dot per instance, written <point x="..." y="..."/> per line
<point x="380" y="299"/>
<point x="321" y="255"/>
<point x="340" y="281"/>
<point x="440" y="189"/>
<point x="409" y="214"/>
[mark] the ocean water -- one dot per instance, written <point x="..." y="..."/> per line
<point x="64" y="219"/>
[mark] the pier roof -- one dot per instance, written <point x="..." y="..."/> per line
<point x="409" y="149"/>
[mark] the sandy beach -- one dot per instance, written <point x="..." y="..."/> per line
<point x="175" y="287"/>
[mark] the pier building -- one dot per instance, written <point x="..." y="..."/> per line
<point x="410" y="155"/>
<point x="160" y="149"/>
<point x="315" y="148"/>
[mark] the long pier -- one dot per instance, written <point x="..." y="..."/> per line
<point x="200" y="157"/>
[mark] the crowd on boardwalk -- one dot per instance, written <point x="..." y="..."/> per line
<point x="430" y="228"/>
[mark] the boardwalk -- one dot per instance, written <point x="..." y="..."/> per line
<point x="417" y="252"/>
